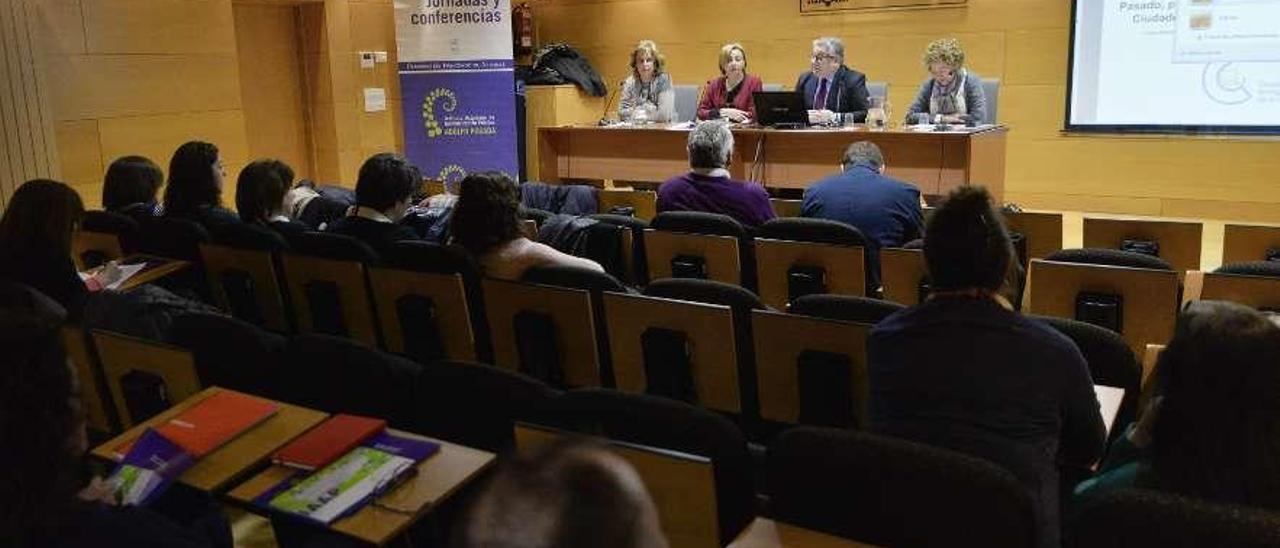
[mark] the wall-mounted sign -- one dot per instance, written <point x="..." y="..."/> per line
<point x="823" y="6"/>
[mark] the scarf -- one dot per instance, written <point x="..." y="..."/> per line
<point x="949" y="99"/>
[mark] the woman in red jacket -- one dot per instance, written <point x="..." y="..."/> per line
<point x="729" y="96"/>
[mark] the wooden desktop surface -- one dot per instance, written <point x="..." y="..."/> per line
<point x="767" y="533"/>
<point x="381" y="521"/>
<point x="936" y="162"/>
<point x="226" y="463"/>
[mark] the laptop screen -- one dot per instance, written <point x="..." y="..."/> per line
<point x="775" y="108"/>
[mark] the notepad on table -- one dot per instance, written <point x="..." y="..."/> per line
<point x="328" y="441"/>
<point x="212" y="422"/>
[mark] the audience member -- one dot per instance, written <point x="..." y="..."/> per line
<point x="384" y="191"/>
<point x="194" y="191"/>
<point x="886" y="210"/>
<point x="729" y="96"/>
<point x="130" y="187"/>
<point x="260" y="191"/>
<point x="964" y="371"/>
<point x="569" y="494"/>
<point x="1212" y="429"/>
<point x="708" y="187"/>
<point x="35" y="243"/>
<point x="952" y="94"/>
<point x="830" y="88"/>
<point x="42" y="431"/>
<point x="647" y="94"/>
<point x="486" y="222"/>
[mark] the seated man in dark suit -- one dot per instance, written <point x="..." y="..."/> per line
<point x="886" y="210"/>
<point x="830" y="88"/>
<point x="384" y="191"/>
<point x="965" y="371"/>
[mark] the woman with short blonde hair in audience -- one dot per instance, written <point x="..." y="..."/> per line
<point x="647" y="93"/>
<point x="486" y="222"/>
<point x="951" y="94"/>
<point x="729" y="96"/>
<point x="1212" y="429"/>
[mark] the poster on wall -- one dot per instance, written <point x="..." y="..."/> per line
<point x="825" y="6"/>
<point x="457" y="84"/>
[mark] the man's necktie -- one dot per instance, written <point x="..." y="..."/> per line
<point x="820" y="100"/>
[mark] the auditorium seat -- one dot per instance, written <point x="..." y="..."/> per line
<point x="244" y="274"/>
<point x="545" y="332"/>
<point x="673" y="348"/>
<point x="641" y="204"/>
<point x="849" y="308"/>
<point x="175" y="238"/>
<point x="785" y="208"/>
<point x="232" y="353"/>
<point x="328" y="288"/>
<point x="796" y="257"/>
<point x="1141" y="304"/>
<point x="1255" y="284"/>
<point x="903" y="275"/>
<point x="1244" y="243"/>
<point x="476" y="404"/>
<point x="427" y="315"/>
<point x="691" y="244"/>
<point x="673" y="426"/>
<point x="1111" y="363"/>
<point x="741" y="303"/>
<point x="444" y="263"/>
<point x="1143" y="517"/>
<point x="594" y="282"/>
<point x="103" y="236"/>
<point x="1177" y="243"/>
<point x="100" y="412"/>
<point x="1041" y="232"/>
<point x="634" y="265"/>
<point x="144" y="377"/>
<point x="811" y="371"/>
<point x="339" y="375"/>
<point x="890" y="492"/>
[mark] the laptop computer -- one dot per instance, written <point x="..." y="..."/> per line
<point x="780" y="109"/>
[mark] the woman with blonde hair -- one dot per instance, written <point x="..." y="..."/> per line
<point x="952" y="94"/>
<point x="729" y="96"/>
<point x="647" y="94"/>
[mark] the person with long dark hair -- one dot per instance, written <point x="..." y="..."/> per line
<point x="130" y="187"/>
<point x="45" y="503"/>
<point x="260" y="191"/>
<point x="194" y="191"/>
<point x="35" y="243"/>
<point x="1212" y="429"/>
<point x="486" y="222"/>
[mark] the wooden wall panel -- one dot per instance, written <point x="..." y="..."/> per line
<point x="81" y="153"/>
<point x="158" y="26"/>
<point x="105" y="86"/>
<point x="272" y="85"/>
<point x="28" y="146"/>
<point x="1022" y="42"/>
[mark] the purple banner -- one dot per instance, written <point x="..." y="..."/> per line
<point x="458" y="122"/>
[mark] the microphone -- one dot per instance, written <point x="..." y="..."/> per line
<point x="605" y="113"/>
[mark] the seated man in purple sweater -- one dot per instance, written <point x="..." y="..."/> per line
<point x="707" y="186"/>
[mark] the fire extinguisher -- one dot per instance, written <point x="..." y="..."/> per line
<point x="522" y="28"/>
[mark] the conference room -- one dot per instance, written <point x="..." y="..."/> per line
<point x="640" y="272"/>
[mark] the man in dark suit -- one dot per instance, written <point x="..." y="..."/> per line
<point x="384" y="190"/>
<point x="886" y="210"/>
<point x="830" y="88"/>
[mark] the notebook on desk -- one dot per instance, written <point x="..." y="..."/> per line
<point x="212" y="422"/>
<point x="328" y="441"/>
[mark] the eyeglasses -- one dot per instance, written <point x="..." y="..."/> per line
<point x="822" y="57"/>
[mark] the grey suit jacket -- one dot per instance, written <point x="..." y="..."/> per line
<point x="974" y="98"/>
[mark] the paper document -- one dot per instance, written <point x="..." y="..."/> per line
<point x="1109" y="398"/>
<point x="339" y="487"/>
<point x="126" y="271"/>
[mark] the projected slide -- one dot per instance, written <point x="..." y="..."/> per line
<point x="1176" y="64"/>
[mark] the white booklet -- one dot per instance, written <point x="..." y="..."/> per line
<point x="126" y="271"/>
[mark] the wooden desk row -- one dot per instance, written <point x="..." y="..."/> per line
<point x="935" y="162"/>
<point x="240" y="463"/>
